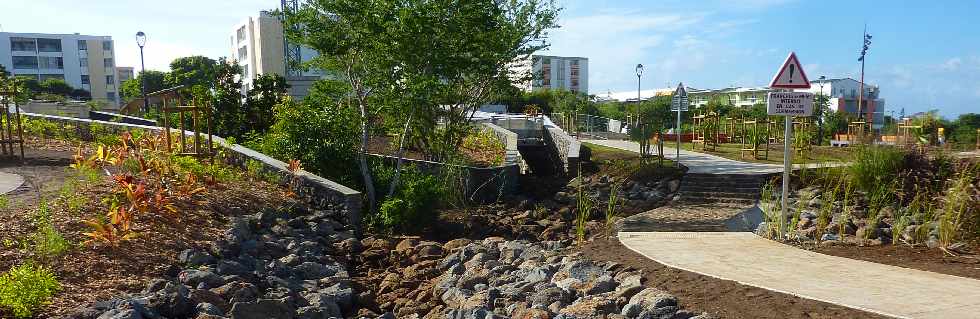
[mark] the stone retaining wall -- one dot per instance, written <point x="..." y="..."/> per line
<point x="316" y="190"/>
<point x="566" y="147"/>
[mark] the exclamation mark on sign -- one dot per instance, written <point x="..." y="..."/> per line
<point x="792" y="68"/>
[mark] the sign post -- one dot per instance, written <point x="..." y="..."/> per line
<point x="679" y="103"/>
<point x="789" y="104"/>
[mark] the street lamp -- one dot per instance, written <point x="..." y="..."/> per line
<point x="639" y="73"/>
<point x="141" y="41"/>
<point x="821" y="115"/>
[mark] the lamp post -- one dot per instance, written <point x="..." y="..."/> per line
<point x="639" y="74"/>
<point x="820" y="114"/>
<point x="141" y="41"/>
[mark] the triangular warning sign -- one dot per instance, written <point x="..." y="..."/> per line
<point x="790" y="75"/>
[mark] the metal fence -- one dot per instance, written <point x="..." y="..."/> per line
<point x="590" y="126"/>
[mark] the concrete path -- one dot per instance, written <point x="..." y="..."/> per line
<point x="9" y="182"/>
<point x="701" y="163"/>
<point x="754" y="261"/>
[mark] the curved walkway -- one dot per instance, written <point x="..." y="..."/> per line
<point x="754" y="261"/>
<point x="701" y="163"/>
<point x="9" y="182"/>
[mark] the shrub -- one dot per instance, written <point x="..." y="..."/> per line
<point x="875" y="165"/>
<point x="26" y="288"/>
<point x="414" y="202"/>
<point x="320" y="134"/>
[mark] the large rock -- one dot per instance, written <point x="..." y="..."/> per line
<point x="262" y="309"/>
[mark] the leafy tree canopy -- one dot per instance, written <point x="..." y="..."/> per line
<point x="132" y="89"/>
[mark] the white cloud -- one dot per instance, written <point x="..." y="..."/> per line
<point x="952" y="64"/>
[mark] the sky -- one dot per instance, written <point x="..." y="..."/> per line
<point x="923" y="56"/>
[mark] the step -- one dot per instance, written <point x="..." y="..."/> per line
<point x="721" y="184"/>
<point x="740" y="190"/>
<point x="722" y="195"/>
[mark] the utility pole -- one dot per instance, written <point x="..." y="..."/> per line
<point x="864" y="51"/>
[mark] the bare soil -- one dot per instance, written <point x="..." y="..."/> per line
<point x="919" y="257"/>
<point x="727" y="299"/>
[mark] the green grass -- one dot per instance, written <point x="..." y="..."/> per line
<point x="600" y="153"/>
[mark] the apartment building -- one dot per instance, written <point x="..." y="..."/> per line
<point x="125" y="73"/>
<point x="83" y="61"/>
<point x="843" y="93"/>
<point x="259" y="46"/>
<point x="551" y="72"/>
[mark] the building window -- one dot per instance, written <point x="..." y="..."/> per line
<point x="82" y="45"/>
<point x="106" y="45"/>
<point x="48" y="45"/>
<point x="111" y="96"/>
<point x="50" y="62"/>
<point x="241" y="34"/>
<point x="85" y="79"/>
<point x="110" y="80"/>
<point x="25" y="62"/>
<point x="108" y="62"/>
<point x="242" y="53"/>
<point x="83" y="62"/>
<point x="22" y="44"/>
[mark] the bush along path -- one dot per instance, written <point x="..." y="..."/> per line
<point x="273" y="264"/>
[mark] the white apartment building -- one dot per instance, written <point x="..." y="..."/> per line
<point x="843" y="93"/>
<point x="259" y="46"/>
<point x="552" y="72"/>
<point x="83" y="61"/>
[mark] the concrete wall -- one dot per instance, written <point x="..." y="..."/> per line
<point x="317" y="191"/>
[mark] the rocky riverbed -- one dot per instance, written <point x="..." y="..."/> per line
<point x="273" y="264"/>
<point x="497" y="278"/>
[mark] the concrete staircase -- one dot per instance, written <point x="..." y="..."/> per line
<point x="737" y="189"/>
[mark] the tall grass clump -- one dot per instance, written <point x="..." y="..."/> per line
<point x="959" y="208"/>
<point x="771" y="207"/>
<point x="611" y="206"/>
<point x="875" y="165"/>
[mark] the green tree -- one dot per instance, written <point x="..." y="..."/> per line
<point x="226" y="100"/>
<point x="268" y="90"/>
<point x="132" y="89"/>
<point x="434" y="61"/>
<point x="56" y="86"/>
<point x="192" y="71"/>
<point x="963" y="131"/>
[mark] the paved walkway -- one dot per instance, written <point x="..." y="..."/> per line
<point x="701" y="163"/>
<point x="9" y="182"/>
<point x="754" y="261"/>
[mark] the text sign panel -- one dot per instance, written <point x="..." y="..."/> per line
<point x="790" y="103"/>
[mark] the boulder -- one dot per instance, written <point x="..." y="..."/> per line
<point x="262" y="309"/>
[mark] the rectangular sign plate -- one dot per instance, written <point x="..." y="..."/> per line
<point x="790" y="103"/>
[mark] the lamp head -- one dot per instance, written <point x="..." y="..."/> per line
<point x="639" y="69"/>
<point x="140" y="39"/>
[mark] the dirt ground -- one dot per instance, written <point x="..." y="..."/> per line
<point x="724" y="298"/>
<point x="921" y="258"/>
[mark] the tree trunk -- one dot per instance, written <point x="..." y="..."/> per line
<point x="362" y="158"/>
<point x="401" y="151"/>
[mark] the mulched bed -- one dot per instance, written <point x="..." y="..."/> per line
<point x="87" y="273"/>
<point x="919" y="257"/>
<point x="725" y="298"/>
